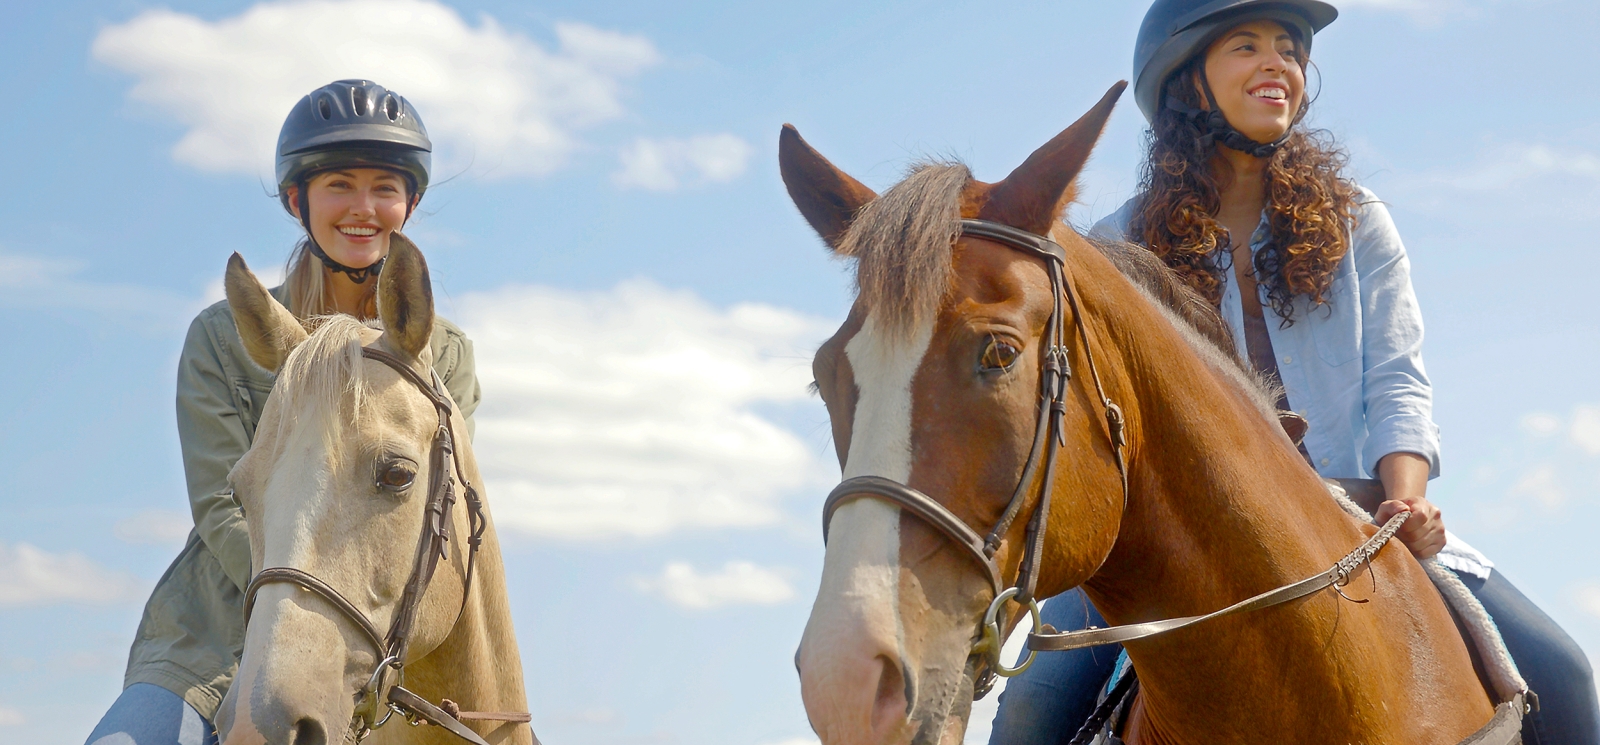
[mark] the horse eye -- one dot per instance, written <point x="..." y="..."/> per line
<point x="396" y="476"/>
<point x="998" y="356"/>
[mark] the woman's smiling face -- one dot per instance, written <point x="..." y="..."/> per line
<point x="353" y="211"/>
<point x="1257" y="72"/>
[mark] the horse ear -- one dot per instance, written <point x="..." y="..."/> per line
<point x="269" y="331"/>
<point x="1032" y="197"/>
<point x="405" y="298"/>
<point x="828" y="197"/>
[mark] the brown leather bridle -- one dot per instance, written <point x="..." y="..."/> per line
<point x="1052" y="411"/>
<point x="1048" y="439"/>
<point x="437" y="525"/>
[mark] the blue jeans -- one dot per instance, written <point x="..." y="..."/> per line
<point x="1554" y="666"/>
<point x="1048" y="703"/>
<point x="148" y="714"/>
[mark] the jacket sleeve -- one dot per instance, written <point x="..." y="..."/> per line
<point x="459" y="369"/>
<point x="213" y="438"/>
<point x="1397" y="395"/>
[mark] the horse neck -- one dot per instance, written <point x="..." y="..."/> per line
<point x="1220" y="508"/>
<point x="478" y="665"/>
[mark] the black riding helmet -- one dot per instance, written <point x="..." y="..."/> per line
<point x="351" y="124"/>
<point x="1174" y="31"/>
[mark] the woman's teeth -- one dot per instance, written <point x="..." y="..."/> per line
<point x="1275" y="94"/>
<point x="358" y="232"/>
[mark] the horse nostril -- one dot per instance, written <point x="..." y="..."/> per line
<point x="308" y="732"/>
<point x="892" y="704"/>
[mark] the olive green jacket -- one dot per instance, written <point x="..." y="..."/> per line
<point x="192" y="633"/>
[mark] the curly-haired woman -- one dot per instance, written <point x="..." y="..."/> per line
<point x="1252" y="209"/>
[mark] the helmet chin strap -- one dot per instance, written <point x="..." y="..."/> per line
<point x="358" y="275"/>
<point x="1214" y="124"/>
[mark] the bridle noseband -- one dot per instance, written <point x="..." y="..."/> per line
<point x="437" y="525"/>
<point x="1049" y="437"/>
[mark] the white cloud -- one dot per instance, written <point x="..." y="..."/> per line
<point x="1521" y="163"/>
<point x="1540" y="424"/>
<point x="10" y="717"/>
<point x="30" y="576"/>
<point x="805" y="740"/>
<point x="29" y="283"/>
<point x="1585" y="432"/>
<point x="155" y="527"/>
<point x="1587" y="597"/>
<point x="1542" y="485"/>
<point x="739" y="583"/>
<point x="638" y="411"/>
<point x="487" y="94"/>
<point x="667" y="164"/>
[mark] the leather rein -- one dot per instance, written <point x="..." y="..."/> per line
<point x="1049" y="438"/>
<point x="379" y="695"/>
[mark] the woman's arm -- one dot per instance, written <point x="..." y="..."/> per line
<point x="1405" y="482"/>
<point x="454" y="362"/>
<point x="1397" y="396"/>
<point x="213" y="438"/>
<point x="1402" y="447"/>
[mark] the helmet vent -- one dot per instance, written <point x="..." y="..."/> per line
<point x="391" y="107"/>
<point x="359" y="98"/>
<point x="324" y="107"/>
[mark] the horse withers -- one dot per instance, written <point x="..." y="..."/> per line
<point x="355" y="457"/>
<point x="934" y="382"/>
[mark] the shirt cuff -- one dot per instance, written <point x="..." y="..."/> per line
<point x="1402" y="435"/>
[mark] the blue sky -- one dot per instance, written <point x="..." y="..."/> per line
<point x="613" y="232"/>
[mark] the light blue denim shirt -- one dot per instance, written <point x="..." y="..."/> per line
<point x="1352" y="366"/>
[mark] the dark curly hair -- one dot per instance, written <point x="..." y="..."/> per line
<point x="1310" y="206"/>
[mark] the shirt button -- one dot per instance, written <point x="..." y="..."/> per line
<point x="1288" y="360"/>
<point x="1324" y="461"/>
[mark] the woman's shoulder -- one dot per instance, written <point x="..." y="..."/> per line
<point x="1114" y="227"/>
<point x="219" y="315"/>
<point x="452" y="350"/>
<point x="446" y="334"/>
<point x="1373" y="227"/>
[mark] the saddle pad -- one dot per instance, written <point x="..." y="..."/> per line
<point x="1482" y="633"/>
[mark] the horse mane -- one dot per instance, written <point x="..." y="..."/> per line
<point x="322" y="371"/>
<point x="1163" y="285"/>
<point x="902" y="242"/>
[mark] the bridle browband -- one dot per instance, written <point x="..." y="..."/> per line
<point x="1052" y="411"/>
<point x="1048" y="439"/>
<point x="445" y="471"/>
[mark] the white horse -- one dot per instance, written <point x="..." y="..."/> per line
<point x="336" y="490"/>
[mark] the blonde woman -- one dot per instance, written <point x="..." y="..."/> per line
<point x="353" y="161"/>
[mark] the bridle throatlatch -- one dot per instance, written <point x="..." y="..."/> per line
<point x="381" y="698"/>
<point x="1049" y="437"/>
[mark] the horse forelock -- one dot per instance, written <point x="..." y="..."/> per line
<point x="902" y="242"/>
<point x="322" y="374"/>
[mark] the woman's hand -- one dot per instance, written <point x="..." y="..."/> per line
<point x="1405" y="480"/>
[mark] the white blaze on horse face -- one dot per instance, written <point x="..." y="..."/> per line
<point x="855" y="629"/>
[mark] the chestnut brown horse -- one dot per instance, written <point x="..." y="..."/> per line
<point x="934" y="382"/>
